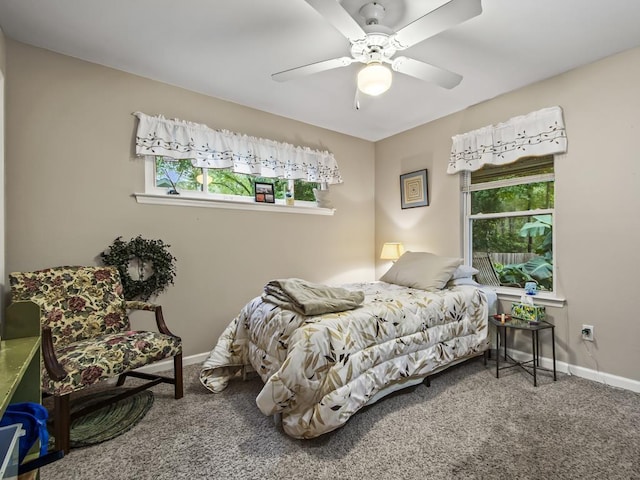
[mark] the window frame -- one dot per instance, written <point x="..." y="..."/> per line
<point x="195" y="198"/>
<point x="551" y="297"/>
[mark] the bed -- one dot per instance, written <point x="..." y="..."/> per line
<point x="320" y="369"/>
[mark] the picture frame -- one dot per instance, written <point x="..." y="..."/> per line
<point x="264" y="192"/>
<point x="414" y="190"/>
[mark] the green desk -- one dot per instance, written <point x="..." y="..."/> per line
<point x="19" y="371"/>
<point x="20" y="359"/>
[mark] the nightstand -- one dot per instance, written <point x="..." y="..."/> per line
<point x="502" y="330"/>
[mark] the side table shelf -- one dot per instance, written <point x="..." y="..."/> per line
<point x="502" y="329"/>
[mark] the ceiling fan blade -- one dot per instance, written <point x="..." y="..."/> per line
<point x="442" y="18"/>
<point x="339" y="18"/>
<point x="312" y="68"/>
<point x="424" y="71"/>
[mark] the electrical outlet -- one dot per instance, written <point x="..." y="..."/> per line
<point x="587" y="332"/>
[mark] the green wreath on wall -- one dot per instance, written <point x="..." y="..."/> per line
<point x="155" y="265"/>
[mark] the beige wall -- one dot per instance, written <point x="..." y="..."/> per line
<point x="2" y="176"/>
<point x="2" y="51"/>
<point x="597" y="202"/>
<point x="71" y="172"/>
<point x="69" y="195"/>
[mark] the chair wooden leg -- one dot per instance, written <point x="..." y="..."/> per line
<point x="62" y="422"/>
<point x="177" y="372"/>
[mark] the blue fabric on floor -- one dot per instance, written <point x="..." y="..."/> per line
<point x="33" y="418"/>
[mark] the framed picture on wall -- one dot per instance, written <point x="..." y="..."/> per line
<point x="264" y="192"/>
<point x="413" y="189"/>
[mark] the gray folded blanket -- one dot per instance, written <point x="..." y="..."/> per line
<point x="310" y="298"/>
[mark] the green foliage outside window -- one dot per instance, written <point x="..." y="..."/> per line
<point x="181" y="175"/>
<point x="527" y="238"/>
<point x="514" y="198"/>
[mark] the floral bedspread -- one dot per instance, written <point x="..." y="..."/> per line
<point x="319" y="371"/>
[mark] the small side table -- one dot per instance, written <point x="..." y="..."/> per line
<point x="517" y="324"/>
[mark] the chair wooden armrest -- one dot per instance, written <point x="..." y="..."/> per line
<point x="150" y="307"/>
<point x="55" y="370"/>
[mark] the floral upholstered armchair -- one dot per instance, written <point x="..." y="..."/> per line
<point x="87" y="338"/>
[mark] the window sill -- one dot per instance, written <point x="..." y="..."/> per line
<point x="543" y="298"/>
<point x="187" y="201"/>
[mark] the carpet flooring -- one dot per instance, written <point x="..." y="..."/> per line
<point x="467" y="425"/>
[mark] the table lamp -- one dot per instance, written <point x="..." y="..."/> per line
<point x="392" y="251"/>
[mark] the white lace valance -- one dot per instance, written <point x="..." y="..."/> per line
<point x="535" y="134"/>
<point x="177" y="139"/>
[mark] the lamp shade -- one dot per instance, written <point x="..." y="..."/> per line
<point x="392" y="251"/>
<point x="374" y="79"/>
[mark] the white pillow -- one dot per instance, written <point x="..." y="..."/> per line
<point x="462" y="281"/>
<point x="464" y="271"/>
<point x="422" y="270"/>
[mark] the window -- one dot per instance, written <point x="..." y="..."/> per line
<point x="223" y="184"/>
<point x="509" y="219"/>
<point x="210" y="167"/>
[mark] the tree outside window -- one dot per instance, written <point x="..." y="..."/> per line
<point x="509" y="216"/>
<point x="181" y="175"/>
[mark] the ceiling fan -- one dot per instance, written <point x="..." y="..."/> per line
<point x="375" y="45"/>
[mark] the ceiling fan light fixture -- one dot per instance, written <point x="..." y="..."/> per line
<point x="374" y="79"/>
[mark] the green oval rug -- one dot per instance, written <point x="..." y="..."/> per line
<point x="110" y="421"/>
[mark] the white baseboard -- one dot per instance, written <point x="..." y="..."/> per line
<point x="168" y="364"/>
<point x="589" y="374"/>
<point x="562" y="367"/>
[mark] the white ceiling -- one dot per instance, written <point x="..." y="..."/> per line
<point x="229" y="49"/>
